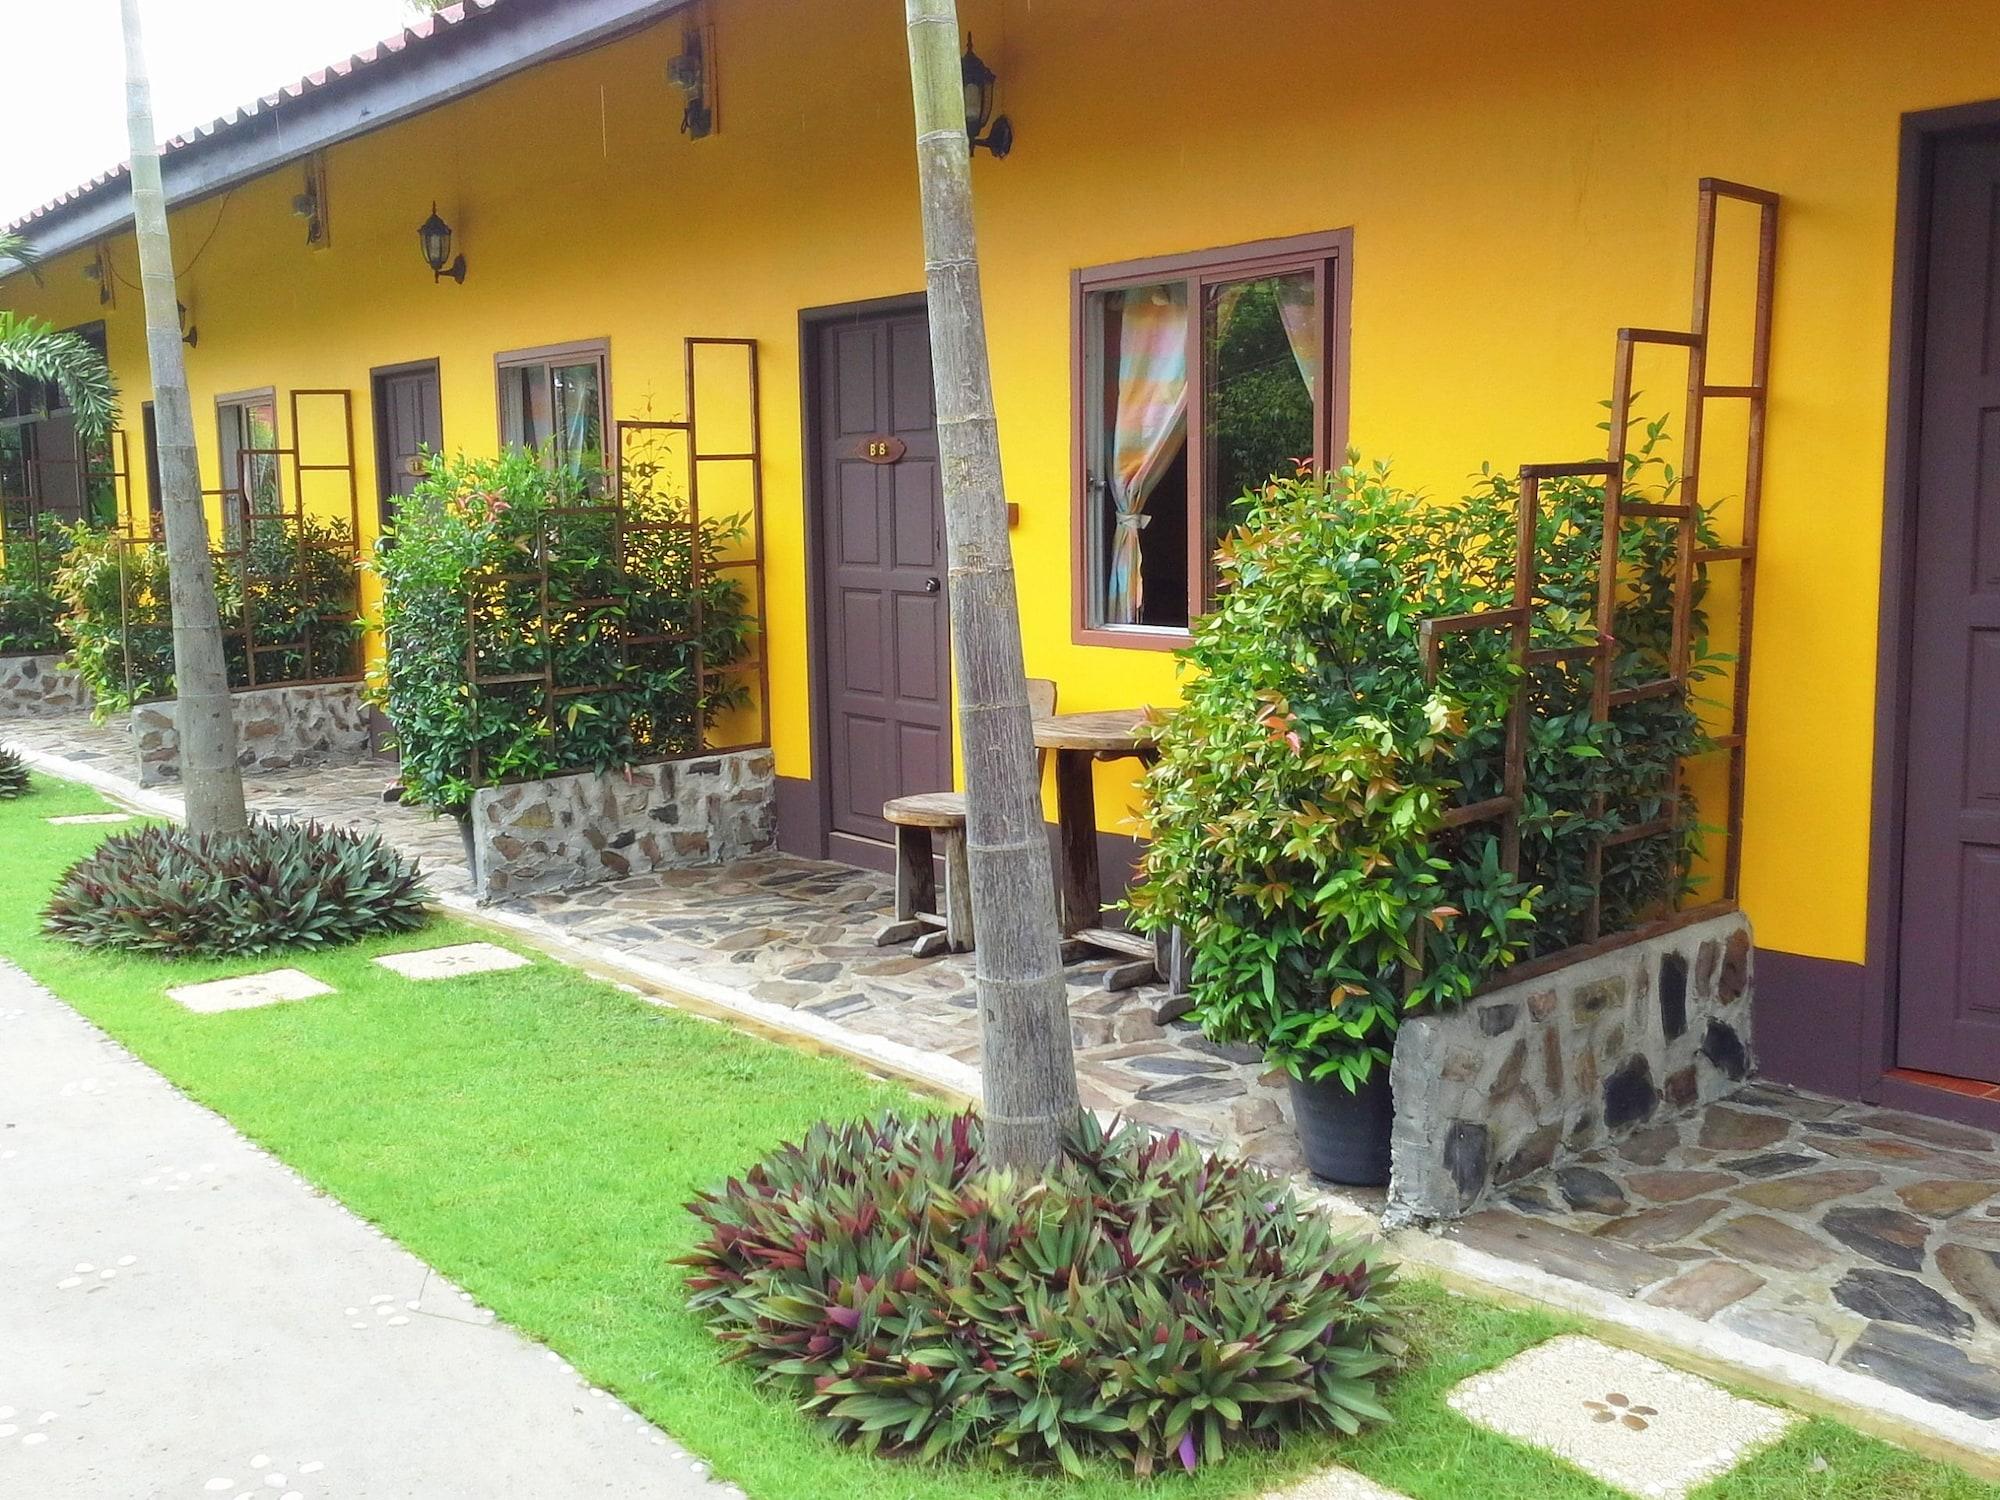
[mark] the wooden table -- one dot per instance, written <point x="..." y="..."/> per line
<point x="1079" y="741"/>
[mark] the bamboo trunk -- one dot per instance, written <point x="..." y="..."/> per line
<point x="210" y="774"/>
<point x="1027" y="1066"/>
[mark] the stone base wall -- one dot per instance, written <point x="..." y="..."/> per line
<point x="277" y="729"/>
<point x="577" y="830"/>
<point x="1538" y="1071"/>
<point x="34" y="687"/>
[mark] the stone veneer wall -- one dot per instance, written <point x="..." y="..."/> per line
<point x="577" y="830"/>
<point x="277" y="728"/>
<point x="1553" y="1066"/>
<point x="34" y="687"/>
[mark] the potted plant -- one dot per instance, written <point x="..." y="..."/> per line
<point x="1296" y="807"/>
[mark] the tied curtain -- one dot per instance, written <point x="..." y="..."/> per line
<point x="1148" y="430"/>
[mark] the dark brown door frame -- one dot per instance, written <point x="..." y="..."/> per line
<point x="376" y="376"/>
<point x="1920" y="135"/>
<point x="811" y="321"/>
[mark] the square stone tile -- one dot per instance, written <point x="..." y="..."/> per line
<point x="451" y="962"/>
<point x="1334" y="1484"/>
<point x="1628" y="1420"/>
<point x="90" y="818"/>
<point x="247" y="991"/>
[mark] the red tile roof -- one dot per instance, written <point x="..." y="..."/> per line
<point x="422" y="33"/>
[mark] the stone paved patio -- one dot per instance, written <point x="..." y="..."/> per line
<point x="1863" y="1238"/>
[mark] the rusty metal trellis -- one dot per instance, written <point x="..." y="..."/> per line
<point x="23" y="516"/>
<point x="233" y="561"/>
<point x="1517" y="618"/>
<point x="613" y="512"/>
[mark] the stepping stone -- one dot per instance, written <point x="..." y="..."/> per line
<point x="1787" y="1101"/>
<point x="1926" y="1367"/>
<point x="1672" y="1187"/>
<point x="1942" y="1199"/>
<point x="1921" y="1128"/>
<point x="1799" y="1332"/>
<point x="1901" y="1299"/>
<point x="1792" y="1194"/>
<point x="1766" y="1241"/>
<point x="1726" y="1129"/>
<point x="1902" y="1154"/>
<point x="1334" y="1484"/>
<point x="1772" y="1164"/>
<point x="1707" y="1289"/>
<point x="1887" y="1235"/>
<point x="1652" y="1146"/>
<point x="75" y="818"/>
<point x="1974" y="1274"/>
<point x="450" y="962"/>
<point x="247" y="991"/>
<point x="1627" y="1420"/>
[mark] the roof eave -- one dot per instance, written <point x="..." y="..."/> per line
<point x="394" y="85"/>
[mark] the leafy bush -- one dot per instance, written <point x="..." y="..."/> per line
<point x="13" y="774"/>
<point x="616" y="635"/>
<point x="276" y="885"/>
<point x="1297" y="809"/>
<point x="1144" y="1300"/>
<point x="295" y="583"/>
<point x="30" y="556"/>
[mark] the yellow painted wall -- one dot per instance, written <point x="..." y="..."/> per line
<point x="1519" y="178"/>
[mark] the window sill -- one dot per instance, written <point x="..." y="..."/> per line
<point x="1138" y="638"/>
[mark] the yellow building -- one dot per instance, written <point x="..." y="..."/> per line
<point x="1447" y="210"/>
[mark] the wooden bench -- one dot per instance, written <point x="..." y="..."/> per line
<point x="929" y="825"/>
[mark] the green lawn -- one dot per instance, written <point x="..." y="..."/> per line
<point x="533" y="1134"/>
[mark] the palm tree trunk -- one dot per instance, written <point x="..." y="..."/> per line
<point x="211" y="776"/>
<point x="1028" y="1069"/>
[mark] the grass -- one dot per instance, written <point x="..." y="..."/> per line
<point x="534" y="1133"/>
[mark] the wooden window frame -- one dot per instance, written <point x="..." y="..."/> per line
<point x="1329" y="255"/>
<point x="573" y="353"/>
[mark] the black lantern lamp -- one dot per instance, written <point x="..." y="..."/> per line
<point x="435" y="236"/>
<point x="981" y="128"/>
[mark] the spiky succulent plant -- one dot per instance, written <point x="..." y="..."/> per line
<point x="164" y="890"/>
<point x="13" y="774"/>
<point x="1143" y="1300"/>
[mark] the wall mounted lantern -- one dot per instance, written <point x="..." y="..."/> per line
<point x="981" y="128"/>
<point x="435" y="236"/>
<point x="690" y="73"/>
<point x="190" y="335"/>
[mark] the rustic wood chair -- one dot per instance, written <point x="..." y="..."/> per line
<point x="929" y="824"/>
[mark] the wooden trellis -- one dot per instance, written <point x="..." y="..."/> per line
<point x="1684" y="511"/>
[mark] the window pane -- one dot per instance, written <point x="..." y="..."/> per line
<point x="579" y="415"/>
<point x="524" y="405"/>
<point x="1137" y="455"/>
<point x="260" y="432"/>
<point x="1261" y="357"/>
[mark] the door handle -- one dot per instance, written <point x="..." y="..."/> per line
<point x="932" y="585"/>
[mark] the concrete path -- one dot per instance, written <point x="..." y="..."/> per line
<point x="181" y="1315"/>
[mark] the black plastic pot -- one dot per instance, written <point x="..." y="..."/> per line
<point x="1345" y="1134"/>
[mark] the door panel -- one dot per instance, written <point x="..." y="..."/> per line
<point x="884" y="641"/>
<point x="1948" y="1013"/>
<point x="407" y="421"/>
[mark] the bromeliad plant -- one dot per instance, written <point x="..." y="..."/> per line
<point x="163" y="890"/>
<point x="619" y="642"/>
<point x="1143" y="1300"/>
<point x="1298" y="806"/>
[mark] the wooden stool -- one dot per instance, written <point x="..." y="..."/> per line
<point x="927" y="824"/>
<point x="932" y="823"/>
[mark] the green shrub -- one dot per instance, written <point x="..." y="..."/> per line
<point x="1297" y="807"/>
<point x="13" y="774"/>
<point x="30" y="556"/>
<point x="295" y="582"/>
<point x="276" y="885"/>
<point x="618" y="641"/>
<point x="1144" y="1300"/>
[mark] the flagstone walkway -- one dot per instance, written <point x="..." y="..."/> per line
<point x="1857" y="1237"/>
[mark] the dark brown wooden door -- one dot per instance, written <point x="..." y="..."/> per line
<point x="1949" y="963"/>
<point x="885" y="651"/>
<point x="407" y="422"/>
